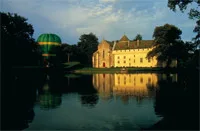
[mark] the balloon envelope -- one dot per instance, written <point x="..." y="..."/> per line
<point x="49" y="44"/>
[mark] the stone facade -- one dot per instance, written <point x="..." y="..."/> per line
<point x="103" y="56"/>
<point x="125" y="53"/>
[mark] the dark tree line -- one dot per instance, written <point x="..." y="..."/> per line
<point x="169" y="46"/>
<point x="17" y="45"/>
<point x="167" y="41"/>
<point x="82" y="51"/>
<point x="20" y="49"/>
<point x="194" y="14"/>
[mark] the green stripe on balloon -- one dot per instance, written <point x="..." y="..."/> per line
<point x="49" y="38"/>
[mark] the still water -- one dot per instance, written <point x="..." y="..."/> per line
<point x="103" y="102"/>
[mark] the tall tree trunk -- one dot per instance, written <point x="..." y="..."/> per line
<point x="68" y="57"/>
<point x="169" y="61"/>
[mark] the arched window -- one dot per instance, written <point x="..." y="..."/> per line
<point x="103" y="53"/>
<point x="149" y="60"/>
<point x="141" y="60"/>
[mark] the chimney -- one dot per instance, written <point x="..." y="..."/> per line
<point x="114" y="45"/>
<point x="138" y="42"/>
<point x="128" y="43"/>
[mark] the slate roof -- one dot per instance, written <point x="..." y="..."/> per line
<point x="133" y="45"/>
<point x="124" y="43"/>
<point x="124" y="38"/>
<point x="111" y="43"/>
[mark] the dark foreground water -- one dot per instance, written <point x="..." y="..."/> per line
<point x="136" y="101"/>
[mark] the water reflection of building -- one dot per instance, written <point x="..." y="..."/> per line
<point x="104" y="84"/>
<point x="128" y="85"/>
<point x="134" y="84"/>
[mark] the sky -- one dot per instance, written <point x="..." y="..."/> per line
<point x="108" y="19"/>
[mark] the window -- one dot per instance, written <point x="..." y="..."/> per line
<point x="129" y="64"/>
<point x="149" y="60"/>
<point x="124" y="61"/>
<point x="141" y="80"/>
<point x="134" y="61"/>
<point x="118" y="80"/>
<point x="124" y="57"/>
<point x="118" y="62"/>
<point x="103" y="53"/>
<point x="124" y="80"/>
<point x="141" y="60"/>
<point x="118" y="57"/>
<point x="129" y="58"/>
<point x="134" y="55"/>
<point x="149" y="80"/>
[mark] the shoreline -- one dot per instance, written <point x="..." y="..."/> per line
<point x="127" y="70"/>
<point x="90" y="70"/>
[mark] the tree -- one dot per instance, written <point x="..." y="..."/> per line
<point x="197" y="37"/>
<point x="66" y="49"/>
<point x="167" y="44"/>
<point x="70" y="52"/>
<point x="193" y="14"/>
<point x="87" y="46"/>
<point x="18" y="46"/>
<point x="138" y="37"/>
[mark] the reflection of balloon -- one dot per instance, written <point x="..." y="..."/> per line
<point x="49" y="44"/>
<point x="48" y="100"/>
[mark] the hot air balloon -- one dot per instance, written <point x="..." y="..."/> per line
<point x="50" y="45"/>
<point x="49" y="99"/>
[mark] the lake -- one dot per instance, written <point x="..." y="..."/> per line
<point x="136" y="101"/>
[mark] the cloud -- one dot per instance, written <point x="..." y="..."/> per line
<point x="105" y="1"/>
<point x="97" y="11"/>
<point x="105" y="18"/>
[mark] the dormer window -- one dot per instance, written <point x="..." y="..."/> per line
<point x="124" y="38"/>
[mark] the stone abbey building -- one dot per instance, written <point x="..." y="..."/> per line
<point x="125" y="53"/>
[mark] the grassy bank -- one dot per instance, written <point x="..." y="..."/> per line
<point x="76" y="67"/>
<point x="116" y="70"/>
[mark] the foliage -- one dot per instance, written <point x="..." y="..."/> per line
<point x="168" y="44"/>
<point x="19" y="48"/>
<point x="193" y="61"/>
<point x="138" y="37"/>
<point x="197" y="37"/>
<point x="69" y="53"/>
<point x="87" y="46"/>
<point x="66" y="51"/>
<point x="193" y="14"/>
